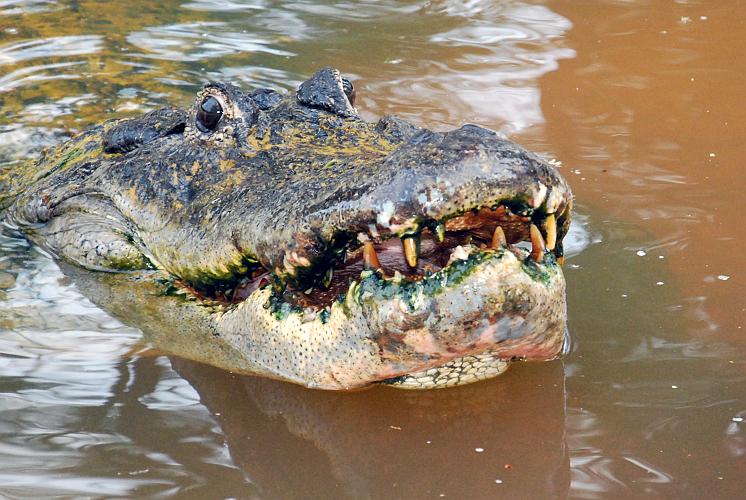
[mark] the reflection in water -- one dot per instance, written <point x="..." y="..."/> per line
<point x="642" y="103"/>
<point x="387" y="443"/>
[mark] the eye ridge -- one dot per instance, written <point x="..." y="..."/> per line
<point x="209" y="114"/>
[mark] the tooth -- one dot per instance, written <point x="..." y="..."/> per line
<point x="498" y="238"/>
<point x="551" y="226"/>
<point x="561" y="260"/>
<point x="410" y="249"/>
<point x="440" y="232"/>
<point x="537" y="244"/>
<point x="370" y="258"/>
<point x="328" y="277"/>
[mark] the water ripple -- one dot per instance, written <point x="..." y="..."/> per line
<point x="61" y="46"/>
<point x="20" y="7"/>
<point x="198" y="41"/>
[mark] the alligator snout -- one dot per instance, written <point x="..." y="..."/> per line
<point x="314" y="246"/>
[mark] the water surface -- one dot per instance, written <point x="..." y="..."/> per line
<point x="641" y="102"/>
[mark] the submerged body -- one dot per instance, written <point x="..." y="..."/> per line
<point x="285" y="236"/>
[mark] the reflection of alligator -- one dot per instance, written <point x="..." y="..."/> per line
<point x="394" y="444"/>
<point x="287" y="237"/>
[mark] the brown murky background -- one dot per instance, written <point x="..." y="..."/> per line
<point x="643" y="102"/>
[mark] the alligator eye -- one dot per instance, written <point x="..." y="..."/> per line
<point x="349" y="90"/>
<point x="209" y="114"/>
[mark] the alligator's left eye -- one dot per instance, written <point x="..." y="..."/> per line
<point x="209" y="114"/>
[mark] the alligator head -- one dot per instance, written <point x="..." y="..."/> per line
<point x="311" y="245"/>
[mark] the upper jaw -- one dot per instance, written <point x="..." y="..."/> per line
<point x="434" y="177"/>
<point x="435" y="181"/>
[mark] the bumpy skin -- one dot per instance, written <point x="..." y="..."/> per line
<point x="283" y="183"/>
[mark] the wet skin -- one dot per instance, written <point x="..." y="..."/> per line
<point x="285" y="236"/>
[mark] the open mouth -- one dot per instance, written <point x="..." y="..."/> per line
<point x="413" y="256"/>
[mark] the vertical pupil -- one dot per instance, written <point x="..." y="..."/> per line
<point x="209" y="114"/>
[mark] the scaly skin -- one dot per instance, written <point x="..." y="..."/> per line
<point x="228" y="225"/>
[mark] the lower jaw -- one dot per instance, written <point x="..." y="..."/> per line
<point x="465" y="324"/>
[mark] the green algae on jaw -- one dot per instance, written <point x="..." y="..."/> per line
<point x="540" y="273"/>
<point x="373" y="287"/>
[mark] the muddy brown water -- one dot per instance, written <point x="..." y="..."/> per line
<point x="642" y="102"/>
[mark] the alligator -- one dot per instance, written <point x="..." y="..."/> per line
<point x="282" y="235"/>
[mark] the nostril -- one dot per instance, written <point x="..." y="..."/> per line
<point x="476" y="130"/>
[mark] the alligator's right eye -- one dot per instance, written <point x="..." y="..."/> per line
<point x="209" y="114"/>
<point x="349" y="90"/>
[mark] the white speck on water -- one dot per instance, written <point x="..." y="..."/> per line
<point x="479" y="450"/>
<point x="737" y="419"/>
<point x="712" y="155"/>
<point x="674" y="387"/>
<point x="659" y="283"/>
<point x="641" y="253"/>
<point x="685" y="19"/>
<point x="11" y="31"/>
<point x="723" y="277"/>
<point x="661" y="257"/>
<point x="575" y="266"/>
<point x="624" y="295"/>
<point x="703" y="18"/>
<point x="576" y="172"/>
<point x="428" y="442"/>
<point x="498" y="481"/>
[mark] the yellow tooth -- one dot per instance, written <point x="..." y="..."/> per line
<point x="370" y="258"/>
<point x="410" y="250"/>
<point x="440" y="232"/>
<point x="537" y="244"/>
<point x="328" y="277"/>
<point x="561" y="260"/>
<point x="551" y="226"/>
<point x="498" y="238"/>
